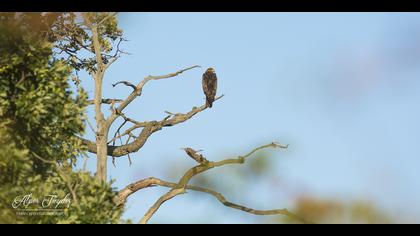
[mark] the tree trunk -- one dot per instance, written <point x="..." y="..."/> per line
<point x="102" y="151"/>
<point x="101" y="124"/>
<point x="102" y="131"/>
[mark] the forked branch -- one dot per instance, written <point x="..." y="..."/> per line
<point x="138" y="90"/>
<point x="182" y="185"/>
<point x="150" y="182"/>
<point x="149" y="127"/>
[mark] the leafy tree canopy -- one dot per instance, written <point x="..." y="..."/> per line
<point x="39" y="120"/>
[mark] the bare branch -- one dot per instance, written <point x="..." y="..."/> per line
<point x="149" y="127"/>
<point x="151" y="77"/>
<point x="129" y="119"/>
<point x="137" y="92"/>
<point x="118" y="131"/>
<point x="183" y="182"/>
<point x="128" y="131"/>
<point x="128" y="155"/>
<point x="179" y="117"/>
<point x="196" y="156"/>
<point x="106" y="101"/>
<point x="170" y="113"/>
<point x="169" y="195"/>
<point x="126" y="83"/>
<point x="122" y="196"/>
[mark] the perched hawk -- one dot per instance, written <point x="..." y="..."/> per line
<point x="209" y="86"/>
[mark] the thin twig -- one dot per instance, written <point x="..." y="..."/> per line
<point x="126" y="83"/>
<point x="195" y="155"/>
<point x="106" y="101"/>
<point x="118" y="131"/>
<point x="91" y="126"/>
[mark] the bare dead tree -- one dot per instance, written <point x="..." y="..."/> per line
<point x="105" y="146"/>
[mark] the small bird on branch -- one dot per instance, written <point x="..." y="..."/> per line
<point x="209" y="83"/>
<point x="196" y="156"/>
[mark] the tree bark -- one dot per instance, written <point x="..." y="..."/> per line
<point x="102" y="131"/>
<point x="102" y="153"/>
<point x="101" y="123"/>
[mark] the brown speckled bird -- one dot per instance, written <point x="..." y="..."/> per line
<point x="210" y="86"/>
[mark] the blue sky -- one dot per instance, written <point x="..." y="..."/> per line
<point x="341" y="88"/>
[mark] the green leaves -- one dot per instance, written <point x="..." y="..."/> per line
<point x="39" y="120"/>
<point x="36" y="94"/>
<point x="74" y="42"/>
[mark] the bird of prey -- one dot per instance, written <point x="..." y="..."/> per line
<point x="209" y="86"/>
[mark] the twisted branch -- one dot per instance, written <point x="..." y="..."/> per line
<point x="181" y="186"/>
<point x="149" y="127"/>
<point x="152" y="181"/>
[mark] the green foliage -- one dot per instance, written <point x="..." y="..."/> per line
<point x="94" y="199"/>
<point x="35" y="95"/>
<point x="71" y="38"/>
<point x="39" y="120"/>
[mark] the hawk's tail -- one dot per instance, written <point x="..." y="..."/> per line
<point x="209" y="103"/>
